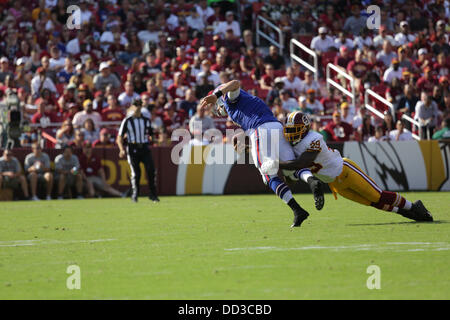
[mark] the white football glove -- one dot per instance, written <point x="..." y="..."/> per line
<point x="270" y="166"/>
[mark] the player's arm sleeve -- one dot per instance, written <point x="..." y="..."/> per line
<point x="233" y="95"/>
<point x="305" y="160"/>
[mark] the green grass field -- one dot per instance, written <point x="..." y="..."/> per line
<point x="221" y="247"/>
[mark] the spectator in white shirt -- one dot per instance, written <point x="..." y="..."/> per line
<point x="151" y="34"/>
<point x="358" y="119"/>
<point x="309" y="83"/>
<point x="312" y="103"/>
<point x="195" y="21"/>
<point x="172" y="20"/>
<point x="126" y="97"/>
<point x="292" y="83"/>
<point x="73" y="46"/>
<point x="56" y="61"/>
<point x="88" y="113"/>
<point x="386" y="55"/>
<point x="363" y="40"/>
<point x="356" y="22"/>
<point x="379" y="135"/>
<point x="229" y="23"/>
<point x="322" y="42"/>
<point x="85" y="13"/>
<point x="403" y="37"/>
<point x="400" y="134"/>
<point x="204" y="10"/>
<point x="346" y="115"/>
<point x="41" y="81"/>
<point x="212" y="76"/>
<point x="287" y="102"/>
<point x="427" y="113"/>
<point x="393" y="71"/>
<point x="107" y="37"/>
<point x="382" y="37"/>
<point x="341" y="40"/>
<point x="199" y="124"/>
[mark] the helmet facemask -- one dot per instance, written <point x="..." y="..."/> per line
<point x="295" y="132"/>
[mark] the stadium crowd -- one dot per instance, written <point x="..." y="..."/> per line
<point x="67" y="85"/>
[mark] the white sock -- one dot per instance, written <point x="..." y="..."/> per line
<point x="394" y="209"/>
<point x="287" y="196"/>
<point x="408" y="205"/>
<point x="303" y="174"/>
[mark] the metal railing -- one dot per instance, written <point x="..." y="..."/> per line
<point x="313" y="68"/>
<point x="369" y="107"/>
<point x="338" y="86"/>
<point x="260" y="33"/>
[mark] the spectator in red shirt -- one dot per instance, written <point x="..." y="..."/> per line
<point x="343" y="58"/>
<point x="358" y="68"/>
<point x="72" y="109"/>
<point x="172" y="119"/>
<point x="442" y="67"/>
<point x="217" y="43"/>
<point x="104" y="140"/>
<point x="44" y="115"/>
<point x="443" y="84"/>
<point x="177" y="89"/>
<point x="182" y="57"/>
<point x="220" y="63"/>
<point x="426" y="82"/>
<point x="183" y="39"/>
<point x="267" y="81"/>
<point x="113" y="112"/>
<point x="422" y="59"/>
<point x="274" y="59"/>
<point x="338" y="130"/>
<point x="77" y="142"/>
<point x="248" y="60"/>
<point x="231" y="42"/>
<point x="330" y="102"/>
<point x="93" y="173"/>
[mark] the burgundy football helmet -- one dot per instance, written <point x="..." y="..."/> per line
<point x="296" y="127"/>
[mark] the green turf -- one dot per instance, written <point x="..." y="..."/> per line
<point x="180" y="249"/>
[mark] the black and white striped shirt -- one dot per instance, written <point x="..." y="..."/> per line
<point x="137" y="129"/>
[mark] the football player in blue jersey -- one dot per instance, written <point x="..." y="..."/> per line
<point x="267" y="142"/>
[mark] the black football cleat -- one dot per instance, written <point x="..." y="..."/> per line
<point x="299" y="216"/>
<point x="134" y="197"/>
<point x="154" y="198"/>
<point x="418" y="212"/>
<point x="423" y="213"/>
<point x="317" y="190"/>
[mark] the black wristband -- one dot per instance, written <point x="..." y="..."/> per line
<point x="218" y="93"/>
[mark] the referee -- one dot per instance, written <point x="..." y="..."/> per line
<point x="138" y="130"/>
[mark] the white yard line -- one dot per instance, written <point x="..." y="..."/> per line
<point x="391" y="246"/>
<point x="20" y="243"/>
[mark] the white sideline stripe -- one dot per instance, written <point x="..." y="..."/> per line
<point x="399" y="246"/>
<point x="20" y="243"/>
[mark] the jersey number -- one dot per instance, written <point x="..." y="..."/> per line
<point x="316" y="167"/>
